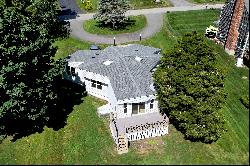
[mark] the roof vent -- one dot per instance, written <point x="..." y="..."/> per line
<point x="93" y="57"/>
<point x="138" y="59"/>
<point x="152" y="87"/>
<point x="94" y="47"/>
<point x="157" y="52"/>
<point x="136" y="50"/>
<point x="107" y="63"/>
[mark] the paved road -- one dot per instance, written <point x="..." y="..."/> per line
<point x="154" y="23"/>
<point x="181" y="3"/>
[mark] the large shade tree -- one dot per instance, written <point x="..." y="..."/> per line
<point x="28" y="73"/>
<point x="190" y="88"/>
<point x="111" y="13"/>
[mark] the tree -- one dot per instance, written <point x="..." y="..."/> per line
<point x="28" y="73"/>
<point x="190" y="88"/>
<point x="111" y="13"/>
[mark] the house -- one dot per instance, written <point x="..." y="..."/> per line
<point x="234" y="29"/>
<point x="122" y="75"/>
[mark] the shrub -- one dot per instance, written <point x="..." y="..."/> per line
<point x="245" y="100"/>
<point x="111" y="13"/>
<point x="88" y="5"/>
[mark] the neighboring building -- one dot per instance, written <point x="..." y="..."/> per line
<point x="122" y="75"/>
<point x="234" y="29"/>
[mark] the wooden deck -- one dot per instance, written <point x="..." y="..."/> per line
<point x="138" y="120"/>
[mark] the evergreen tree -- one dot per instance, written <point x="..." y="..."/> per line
<point x="111" y="13"/>
<point x="190" y="89"/>
<point x="28" y="73"/>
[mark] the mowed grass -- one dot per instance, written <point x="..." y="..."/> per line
<point x="86" y="138"/>
<point x="135" y="23"/>
<point x="70" y="45"/>
<point x="134" y="4"/>
<point x="144" y="4"/>
<point x="181" y="23"/>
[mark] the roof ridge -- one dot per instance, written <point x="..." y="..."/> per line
<point x="138" y="91"/>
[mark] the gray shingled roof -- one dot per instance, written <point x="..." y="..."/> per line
<point x="129" y="78"/>
<point x="247" y="5"/>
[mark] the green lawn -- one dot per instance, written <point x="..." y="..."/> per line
<point x="86" y="138"/>
<point x="70" y="45"/>
<point x="136" y="23"/>
<point x="135" y="4"/>
<point x="181" y="23"/>
<point x="144" y="4"/>
<point x="207" y="1"/>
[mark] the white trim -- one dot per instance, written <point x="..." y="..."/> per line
<point x="137" y="99"/>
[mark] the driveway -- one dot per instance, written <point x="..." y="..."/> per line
<point x="180" y="3"/>
<point x="154" y="23"/>
<point x="154" y="17"/>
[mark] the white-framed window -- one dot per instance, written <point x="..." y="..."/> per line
<point x="125" y="106"/>
<point x="138" y="108"/>
<point x="73" y="71"/>
<point x="141" y="107"/>
<point x="93" y="83"/>
<point x="96" y="84"/>
<point x="152" y="104"/>
<point x="68" y="70"/>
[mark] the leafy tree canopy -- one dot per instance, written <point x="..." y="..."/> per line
<point x="28" y="73"/>
<point x="111" y="13"/>
<point x="190" y="88"/>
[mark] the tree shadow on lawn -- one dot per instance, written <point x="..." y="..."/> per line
<point x="67" y="14"/>
<point x="69" y="94"/>
<point x="127" y="25"/>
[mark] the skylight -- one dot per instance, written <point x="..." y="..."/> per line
<point x="107" y="63"/>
